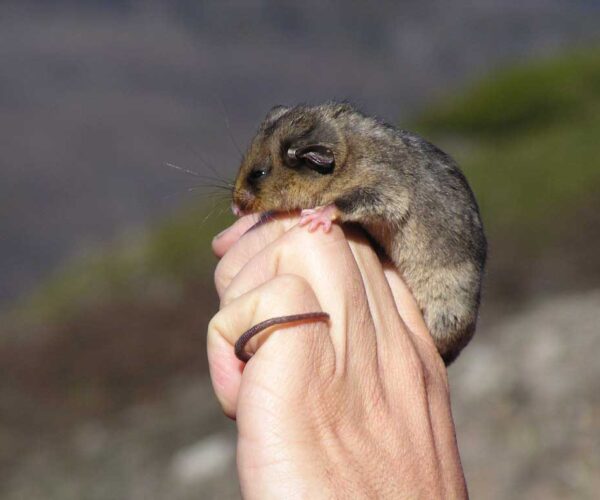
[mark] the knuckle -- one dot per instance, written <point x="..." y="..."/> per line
<point x="223" y="325"/>
<point x="291" y="284"/>
<point x="434" y="364"/>
<point x="416" y="370"/>
<point x="214" y="329"/>
<point x="222" y="274"/>
<point x="217" y="323"/>
<point x="438" y="372"/>
<point x="295" y="239"/>
<point x="286" y="246"/>
<point x="228" y="296"/>
<point x="430" y="371"/>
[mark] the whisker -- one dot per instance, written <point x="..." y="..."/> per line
<point x="212" y="191"/>
<point x="211" y="212"/>
<point x="181" y="169"/>
<point x="228" y="126"/>
<point x="205" y="162"/>
<point x="177" y="183"/>
<point x="226" y="207"/>
<point x="220" y="187"/>
<point x="203" y="185"/>
<point x="219" y="180"/>
<point x="221" y="190"/>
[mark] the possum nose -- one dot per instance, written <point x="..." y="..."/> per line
<point x="242" y="200"/>
<point x="237" y="211"/>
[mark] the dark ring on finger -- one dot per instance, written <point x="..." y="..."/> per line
<point x="242" y="355"/>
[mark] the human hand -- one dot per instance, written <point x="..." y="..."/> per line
<point x="355" y="408"/>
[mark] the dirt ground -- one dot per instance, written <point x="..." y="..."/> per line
<point x="525" y="400"/>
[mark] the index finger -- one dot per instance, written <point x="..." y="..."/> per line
<point x="226" y="238"/>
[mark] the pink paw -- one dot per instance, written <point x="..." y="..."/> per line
<point x="320" y="216"/>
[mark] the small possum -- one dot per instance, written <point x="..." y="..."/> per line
<point x="410" y="197"/>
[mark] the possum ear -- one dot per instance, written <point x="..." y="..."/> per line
<point x="317" y="157"/>
<point x="274" y="115"/>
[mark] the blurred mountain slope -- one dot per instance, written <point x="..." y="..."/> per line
<point x="156" y="264"/>
<point x="559" y="90"/>
<point x="527" y="139"/>
<point x="95" y="95"/>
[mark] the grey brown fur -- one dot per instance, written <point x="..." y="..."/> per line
<point x="410" y="197"/>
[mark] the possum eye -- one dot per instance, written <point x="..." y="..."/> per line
<point x="315" y="156"/>
<point x="256" y="174"/>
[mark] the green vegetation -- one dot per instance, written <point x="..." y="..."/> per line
<point x="163" y="261"/>
<point x="530" y="96"/>
<point x="528" y="141"/>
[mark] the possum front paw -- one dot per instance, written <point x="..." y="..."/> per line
<point x="320" y="216"/>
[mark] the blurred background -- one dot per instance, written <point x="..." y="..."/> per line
<point x="105" y="262"/>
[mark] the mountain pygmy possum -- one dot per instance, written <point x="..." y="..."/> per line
<point x="334" y="163"/>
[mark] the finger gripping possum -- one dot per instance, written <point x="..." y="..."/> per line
<point x="336" y="163"/>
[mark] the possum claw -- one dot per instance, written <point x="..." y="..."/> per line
<point x="320" y="216"/>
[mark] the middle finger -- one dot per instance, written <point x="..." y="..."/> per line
<point x="252" y="237"/>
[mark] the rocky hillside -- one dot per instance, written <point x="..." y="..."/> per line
<point x="525" y="401"/>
